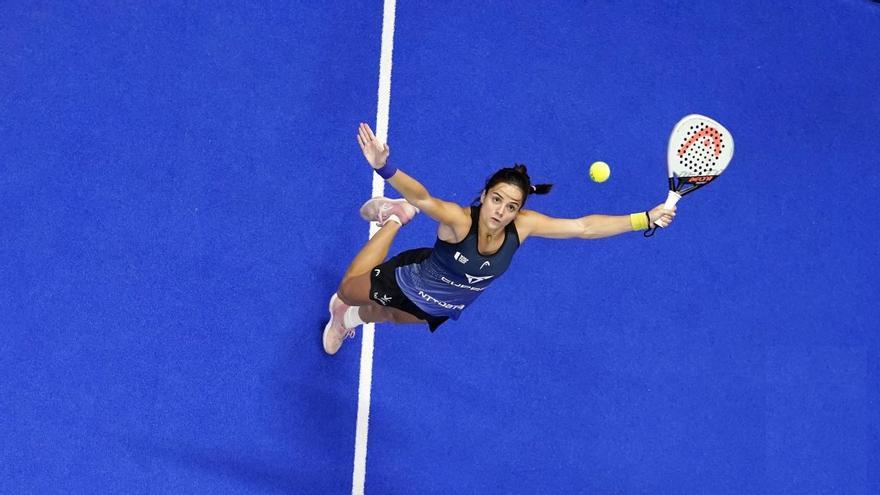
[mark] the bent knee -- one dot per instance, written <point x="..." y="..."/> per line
<point x="353" y="292"/>
<point x="344" y="293"/>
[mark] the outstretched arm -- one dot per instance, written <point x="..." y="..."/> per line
<point x="414" y="192"/>
<point x="532" y="223"/>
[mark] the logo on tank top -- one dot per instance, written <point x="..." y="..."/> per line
<point x="472" y="279"/>
<point x="460" y="257"/>
<point x="484" y="265"/>
<point x="384" y="299"/>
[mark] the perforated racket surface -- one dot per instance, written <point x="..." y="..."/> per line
<point x="698" y="152"/>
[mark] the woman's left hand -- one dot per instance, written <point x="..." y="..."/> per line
<point x="661" y="216"/>
<point x="374" y="151"/>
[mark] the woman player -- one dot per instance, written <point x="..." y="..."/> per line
<point x="474" y="246"/>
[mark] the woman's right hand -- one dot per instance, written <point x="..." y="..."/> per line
<point x="374" y="151"/>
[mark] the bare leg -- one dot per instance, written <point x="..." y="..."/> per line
<point x="374" y="252"/>
<point x="354" y="289"/>
<point x="375" y="313"/>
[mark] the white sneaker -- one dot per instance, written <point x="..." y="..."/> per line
<point x="335" y="332"/>
<point x="379" y="210"/>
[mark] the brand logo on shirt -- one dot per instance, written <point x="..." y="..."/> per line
<point x="460" y="257"/>
<point x="472" y="279"/>
<point x="463" y="286"/>
<point x="377" y="272"/>
<point x="484" y="265"/>
<point x="433" y="300"/>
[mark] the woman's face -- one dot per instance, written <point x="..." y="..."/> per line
<point x="501" y="203"/>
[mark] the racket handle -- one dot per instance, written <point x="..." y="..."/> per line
<point x="671" y="199"/>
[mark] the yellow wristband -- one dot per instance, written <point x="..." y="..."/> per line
<point x="639" y="221"/>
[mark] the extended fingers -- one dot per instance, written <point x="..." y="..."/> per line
<point x="370" y="132"/>
<point x="364" y="133"/>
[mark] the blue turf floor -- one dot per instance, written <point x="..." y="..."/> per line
<point x="178" y="199"/>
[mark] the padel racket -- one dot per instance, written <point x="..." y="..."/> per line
<point x="698" y="152"/>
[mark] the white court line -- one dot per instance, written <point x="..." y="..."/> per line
<point x="368" y="331"/>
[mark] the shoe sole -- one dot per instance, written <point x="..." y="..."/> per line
<point x="327" y="326"/>
<point x="369" y="210"/>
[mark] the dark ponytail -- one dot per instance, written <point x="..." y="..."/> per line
<point x="516" y="176"/>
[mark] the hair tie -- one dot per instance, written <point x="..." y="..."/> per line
<point x="533" y="189"/>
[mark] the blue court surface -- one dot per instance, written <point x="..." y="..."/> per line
<point x="179" y="194"/>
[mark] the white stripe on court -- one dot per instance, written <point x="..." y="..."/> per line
<point x="368" y="331"/>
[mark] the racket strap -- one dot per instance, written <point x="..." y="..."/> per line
<point x="651" y="227"/>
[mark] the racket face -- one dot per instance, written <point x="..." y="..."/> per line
<point x="699" y="150"/>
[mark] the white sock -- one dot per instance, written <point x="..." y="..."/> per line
<point x="393" y="218"/>
<point x="351" y="318"/>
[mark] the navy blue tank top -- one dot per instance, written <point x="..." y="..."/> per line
<point x="454" y="275"/>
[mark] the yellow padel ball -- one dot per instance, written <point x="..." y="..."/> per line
<point x="600" y="171"/>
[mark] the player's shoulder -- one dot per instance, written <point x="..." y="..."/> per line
<point x="463" y="210"/>
<point x="527" y="217"/>
<point x="525" y="222"/>
<point x="457" y="229"/>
